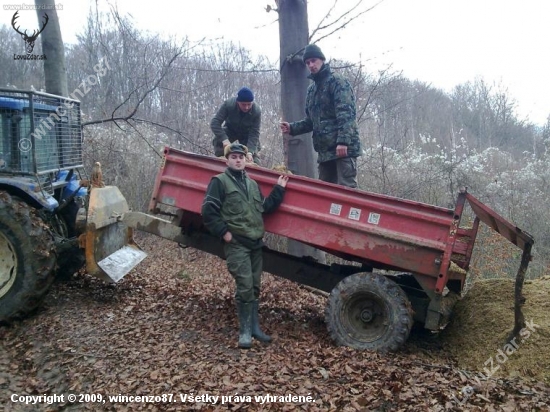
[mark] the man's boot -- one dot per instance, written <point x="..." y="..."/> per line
<point x="245" y="324"/>
<point x="256" y="331"/>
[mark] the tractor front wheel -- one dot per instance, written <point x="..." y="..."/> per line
<point x="27" y="258"/>
<point x="369" y="311"/>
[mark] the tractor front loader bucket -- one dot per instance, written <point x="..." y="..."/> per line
<point x="109" y="243"/>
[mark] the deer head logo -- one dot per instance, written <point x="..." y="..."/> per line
<point x="29" y="40"/>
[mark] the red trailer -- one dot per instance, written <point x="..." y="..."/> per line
<point x="409" y="260"/>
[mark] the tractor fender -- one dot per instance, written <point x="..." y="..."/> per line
<point x="26" y="188"/>
<point x="71" y="186"/>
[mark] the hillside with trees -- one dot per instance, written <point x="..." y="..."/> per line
<point x="419" y="142"/>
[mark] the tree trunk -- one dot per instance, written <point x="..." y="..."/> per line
<point x="298" y="150"/>
<point x="55" y="70"/>
<point x="293" y="37"/>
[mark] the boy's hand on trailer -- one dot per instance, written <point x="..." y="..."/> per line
<point x="282" y="181"/>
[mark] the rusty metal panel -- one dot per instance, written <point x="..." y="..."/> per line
<point x="492" y="219"/>
<point x="109" y="245"/>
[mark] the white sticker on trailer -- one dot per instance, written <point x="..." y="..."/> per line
<point x="354" y="214"/>
<point x="335" y="209"/>
<point x="374" y="218"/>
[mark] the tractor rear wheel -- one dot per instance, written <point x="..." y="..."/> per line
<point x="27" y="258"/>
<point x="369" y="311"/>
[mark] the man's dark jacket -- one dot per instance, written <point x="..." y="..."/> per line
<point x="330" y="115"/>
<point x="232" y="124"/>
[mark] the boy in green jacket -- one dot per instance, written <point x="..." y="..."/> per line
<point x="232" y="210"/>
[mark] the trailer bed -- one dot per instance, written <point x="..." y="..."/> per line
<point x="380" y="231"/>
<point x="421" y="252"/>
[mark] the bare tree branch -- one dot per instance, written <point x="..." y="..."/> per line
<point x="162" y="75"/>
<point x="319" y="27"/>
<point x="143" y="138"/>
<point x="343" y="25"/>
<point x="178" y="132"/>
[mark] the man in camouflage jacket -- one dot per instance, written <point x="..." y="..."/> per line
<point x="238" y="119"/>
<point x="330" y="115"/>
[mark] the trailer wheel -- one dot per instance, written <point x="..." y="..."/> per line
<point x="369" y="311"/>
<point x="27" y="258"/>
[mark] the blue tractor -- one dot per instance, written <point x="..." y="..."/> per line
<point x="51" y="219"/>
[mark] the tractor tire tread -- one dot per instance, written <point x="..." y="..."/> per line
<point x="37" y="257"/>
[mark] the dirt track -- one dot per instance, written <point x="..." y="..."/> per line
<point x="170" y="328"/>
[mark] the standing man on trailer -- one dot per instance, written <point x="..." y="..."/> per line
<point x="238" y="119"/>
<point x="331" y="116"/>
<point x="232" y="210"/>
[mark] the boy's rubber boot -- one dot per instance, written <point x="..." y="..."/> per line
<point x="256" y="331"/>
<point x="245" y="324"/>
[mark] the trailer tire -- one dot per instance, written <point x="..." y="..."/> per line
<point x="369" y="311"/>
<point x="27" y="258"/>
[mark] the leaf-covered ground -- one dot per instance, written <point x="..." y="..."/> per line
<point x="170" y="328"/>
